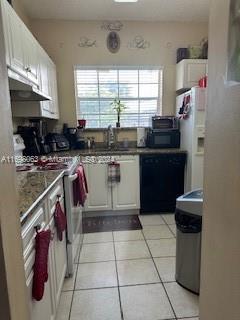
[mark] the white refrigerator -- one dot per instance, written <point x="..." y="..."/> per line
<point x="191" y="110"/>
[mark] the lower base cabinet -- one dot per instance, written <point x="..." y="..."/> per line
<point x="57" y="258"/>
<point x="40" y="310"/>
<point x="124" y="195"/>
<point x="99" y="196"/>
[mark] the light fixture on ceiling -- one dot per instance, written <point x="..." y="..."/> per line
<point x="126" y="1"/>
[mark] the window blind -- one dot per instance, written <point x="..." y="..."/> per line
<point x="140" y="89"/>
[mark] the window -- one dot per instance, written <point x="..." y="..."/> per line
<point x="140" y="89"/>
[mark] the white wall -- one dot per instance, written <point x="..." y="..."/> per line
<point x="220" y="277"/>
<point x="61" y="38"/>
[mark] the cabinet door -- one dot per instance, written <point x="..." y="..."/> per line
<point x="5" y="16"/>
<point x="49" y="79"/>
<point x="99" y="196"/>
<point x="39" y="310"/>
<point x="126" y="194"/>
<point x="44" y="81"/>
<point x="189" y="72"/>
<point x="53" y="89"/>
<point x="45" y="308"/>
<point x="194" y="71"/>
<point x="31" y="57"/>
<point x="16" y="42"/>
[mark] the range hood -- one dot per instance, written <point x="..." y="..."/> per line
<point x="23" y="90"/>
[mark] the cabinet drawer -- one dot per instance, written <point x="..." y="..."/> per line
<point x="28" y="265"/>
<point x="39" y="217"/>
<point x="54" y="193"/>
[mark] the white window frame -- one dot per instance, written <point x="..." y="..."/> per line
<point x="103" y="68"/>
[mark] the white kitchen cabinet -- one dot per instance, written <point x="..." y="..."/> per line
<point x="21" y="53"/>
<point x="45" y="308"/>
<point x="57" y="257"/>
<point x="6" y="29"/>
<point x="100" y="194"/>
<point x="53" y="104"/>
<point x="189" y="72"/>
<point x="120" y="196"/>
<point x="39" y="310"/>
<point x="48" y="83"/>
<point x="16" y="41"/>
<point x="126" y="193"/>
<point x="27" y="58"/>
<point x="31" y="57"/>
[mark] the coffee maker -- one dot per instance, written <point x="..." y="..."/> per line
<point x="34" y="137"/>
<point x="41" y="129"/>
<point x="80" y="141"/>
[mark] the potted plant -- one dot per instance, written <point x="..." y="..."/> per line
<point x="119" y="107"/>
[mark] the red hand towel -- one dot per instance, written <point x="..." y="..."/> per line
<point x="40" y="267"/>
<point x="80" y="187"/>
<point x="60" y="220"/>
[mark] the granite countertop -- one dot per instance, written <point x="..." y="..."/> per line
<point x="121" y="151"/>
<point x="32" y="186"/>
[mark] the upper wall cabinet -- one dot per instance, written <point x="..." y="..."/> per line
<point x="27" y="58"/>
<point x="189" y="72"/>
<point x="6" y="29"/>
<point x="21" y="46"/>
<point x="31" y="57"/>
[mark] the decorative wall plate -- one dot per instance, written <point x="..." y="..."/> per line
<point x="112" y="25"/>
<point x="113" y="42"/>
<point x="85" y="42"/>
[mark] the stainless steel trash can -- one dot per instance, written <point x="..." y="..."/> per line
<point x="188" y="218"/>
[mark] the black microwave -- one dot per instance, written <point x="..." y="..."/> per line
<point x="163" y="139"/>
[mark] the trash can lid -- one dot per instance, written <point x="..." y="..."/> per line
<point x="191" y="202"/>
<point x="197" y="194"/>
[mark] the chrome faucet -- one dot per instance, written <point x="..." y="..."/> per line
<point x="110" y="137"/>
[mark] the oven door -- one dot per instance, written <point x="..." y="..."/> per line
<point x="74" y="223"/>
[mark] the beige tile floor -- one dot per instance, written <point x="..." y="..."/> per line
<point x="128" y="275"/>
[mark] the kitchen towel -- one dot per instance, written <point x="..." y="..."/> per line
<point x="60" y="220"/>
<point x="114" y="174"/>
<point x="186" y="108"/>
<point x="80" y="187"/>
<point x="40" y="268"/>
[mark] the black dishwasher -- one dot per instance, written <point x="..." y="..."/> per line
<point x="161" y="181"/>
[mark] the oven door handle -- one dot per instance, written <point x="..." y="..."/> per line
<point x="73" y="177"/>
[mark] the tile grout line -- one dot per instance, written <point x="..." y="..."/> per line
<point x="171" y="229"/>
<point x="75" y="280"/>
<point x="121" y="286"/>
<point x="175" y="316"/>
<point x="118" y="286"/>
<point x="126" y="259"/>
<point x="119" y="295"/>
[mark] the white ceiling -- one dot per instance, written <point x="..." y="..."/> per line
<point x="145" y="10"/>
